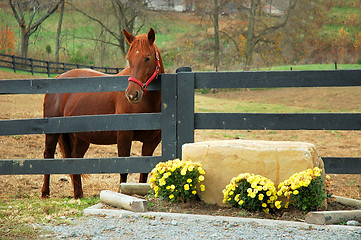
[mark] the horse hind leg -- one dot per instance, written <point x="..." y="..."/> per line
<point x="73" y="147"/>
<point x="51" y="141"/>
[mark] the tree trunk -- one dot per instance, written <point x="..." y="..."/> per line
<point x="24" y="42"/>
<point x="250" y="33"/>
<point x="216" y="34"/>
<point x="60" y="23"/>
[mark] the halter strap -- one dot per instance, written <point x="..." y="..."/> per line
<point x="154" y="75"/>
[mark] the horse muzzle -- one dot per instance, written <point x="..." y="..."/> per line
<point x="134" y="96"/>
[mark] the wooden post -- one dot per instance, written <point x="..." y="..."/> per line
<point x="332" y="217"/>
<point x="135" y="188"/>
<point x="169" y="116"/>
<point x="47" y="68"/>
<point x="123" y="201"/>
<point x="348" y="201"/>
<point x="13" y="62"/>
<point x="185" y="107"/>
<point x="31" y="66"/>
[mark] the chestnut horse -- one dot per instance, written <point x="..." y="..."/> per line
<point x="144" y="65"/>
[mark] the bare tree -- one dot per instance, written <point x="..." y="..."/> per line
<point x="259" y="29"/>
<point x="125" y="13"/>
<point x="58" y="32"/>
<point x="215" y="20"/>
<point x="30" y="15"/>
<point x="212" y="8"/>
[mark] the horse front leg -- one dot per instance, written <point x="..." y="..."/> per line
<point x="148" y="150"/>
<point x="51" y="141"/>
<point x="124" y="143"/>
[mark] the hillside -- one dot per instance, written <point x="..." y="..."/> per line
<point x="187" y="38"/>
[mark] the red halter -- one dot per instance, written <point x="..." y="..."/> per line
<point x="154" y="76"/>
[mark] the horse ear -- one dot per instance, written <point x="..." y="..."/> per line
<point x="128" y="36"/>
<point x="151" y="36"/>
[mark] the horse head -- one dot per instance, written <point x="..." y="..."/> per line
<point x="144" y="63"/>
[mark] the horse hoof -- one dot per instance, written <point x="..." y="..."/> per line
<point x="45" y="195"/>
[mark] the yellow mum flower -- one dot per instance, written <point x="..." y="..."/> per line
<point x="189" y="180"/>
<point x="172" y="187"/>
<point x="249" y="190"/>
<point x="201" y="171"/>
<point x="264" y="205"/>
<point x="295" y="192"/>
<point x="240" y="202"/>
<point x="190" y="168"/>
<point x="201" y="178"/>
<point x="266" y="210"/>
<point x="236" y="198"/>
<point x="171" y="196"/>
<point x="278" y="204"/>
<point x="260" y="197"/>
<point x="162" y="182"/>
<point x="202" y="187"/>
<point x="268" y="193"/>
<point x="186" y="187"/>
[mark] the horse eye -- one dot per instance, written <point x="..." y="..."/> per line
<point x="147" y="59"/>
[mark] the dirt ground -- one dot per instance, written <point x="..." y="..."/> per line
<point x="328" y="143"/>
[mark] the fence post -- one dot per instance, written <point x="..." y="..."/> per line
<point x="185" y="107"/>
<point x="169" y="116"/>
<point x="31" y="66"/>
<point x="48" y="68"/>
<point x="13" y="62"/>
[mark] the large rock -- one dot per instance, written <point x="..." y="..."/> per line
<point x="222" y="160"/>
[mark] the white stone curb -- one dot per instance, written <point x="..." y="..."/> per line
<point x="98" y="210"/>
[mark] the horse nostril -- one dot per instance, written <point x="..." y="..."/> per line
<point x="134" y="96"/>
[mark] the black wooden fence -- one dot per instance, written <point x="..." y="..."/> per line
<point x="177" y="120"/>
<point x="47" y="67"/>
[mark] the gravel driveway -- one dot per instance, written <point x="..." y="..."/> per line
<point x="121" y="224"/>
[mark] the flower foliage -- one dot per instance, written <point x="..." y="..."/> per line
<point x="7" y="40"/>
<point x="177" y="180"/>
<point x="306" y="190"/>
<point x="252" y="192"/>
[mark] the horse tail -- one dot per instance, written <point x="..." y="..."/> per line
<point x="66" y="149"/>
<point x="65" y="145"/>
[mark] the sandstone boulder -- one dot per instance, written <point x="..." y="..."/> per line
<point x="224" y="159"/>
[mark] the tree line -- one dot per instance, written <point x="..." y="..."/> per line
<point x="270" y="28"/>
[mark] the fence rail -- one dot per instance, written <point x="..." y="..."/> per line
<point x="177" y="120"/>
<point x="47" y="67"/>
